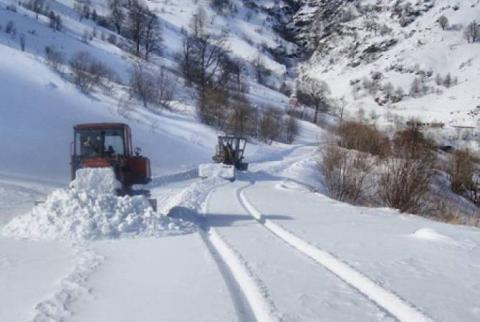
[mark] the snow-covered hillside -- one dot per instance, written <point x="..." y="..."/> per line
<point x="40" y="105"/>
<point x="393" y="58"/>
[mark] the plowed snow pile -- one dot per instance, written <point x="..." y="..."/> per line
<point x="89" y="209"/>
<point x="212" y="170"/>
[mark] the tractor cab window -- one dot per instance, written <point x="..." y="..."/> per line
<point x="101" y="143"/>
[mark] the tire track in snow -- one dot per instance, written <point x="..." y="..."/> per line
<point x="387" y="300"/>
<point x="238" y="276"/>
<point x="57" y="307"/>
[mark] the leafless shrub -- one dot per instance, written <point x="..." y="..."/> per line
<point x="151" y="86"/>
<point x="445" y="211"/>
<point x="411" y="142"/>
<point x="313" y="92"/>
<point x="363" y="137"/>
<point x="55" y="58"/>
<point x="405" y="181"/>
<point x="212" y="107"/>
<point x="165" y="88"/>
<point x="88" y="71"/>
<point x="462" y="168"/>
<point x="344" y="173"/>
<point x="269" y="125"/>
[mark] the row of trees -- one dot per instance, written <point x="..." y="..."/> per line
<point x="135" y="21"/>
<point x="206" y="65"/>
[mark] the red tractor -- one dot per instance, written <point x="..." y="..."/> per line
<point x="99" y="145"/>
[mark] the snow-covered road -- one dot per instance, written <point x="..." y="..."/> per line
<point x="432" y="265"/>
<point x="295" y="287"/>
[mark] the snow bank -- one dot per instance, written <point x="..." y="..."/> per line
<point x="432" y="235"/>
<point x="212" y="170"/>
<point x="89" y="209"/>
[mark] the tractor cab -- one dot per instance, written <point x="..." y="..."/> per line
<point x="98" y="145"/>
<point x="102" y="142"/>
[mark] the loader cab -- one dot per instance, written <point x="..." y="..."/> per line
<point x="230" y="151"/>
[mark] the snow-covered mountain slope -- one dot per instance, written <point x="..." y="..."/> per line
<point x="394" y="58"/>
<point x="39" y="106"/>
<point x="39" y="109"/>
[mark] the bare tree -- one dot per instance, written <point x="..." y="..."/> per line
<point x="203" y="54"/>
<point x="315" y="93"/>
<point x="117" y="15"/>
<point x="142" y="84"/>
<point x="443" y="22"/>
<point x="340" y="106"/>
<point x="137" y="23"/>
<point x="344" y="173"/>
<point x="198" y="22"/>
<point x="152" y="34"/>
<point x="187" y="60"/>
<point x="472" y="32"/>
<point x="165" y="88"/>
<point x="230" y="74"/>
<point x="151" y="86"/>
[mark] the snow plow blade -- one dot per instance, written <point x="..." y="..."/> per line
<point x="220" y="170"/>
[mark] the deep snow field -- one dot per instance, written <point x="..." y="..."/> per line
<point x="269" y="246"/>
